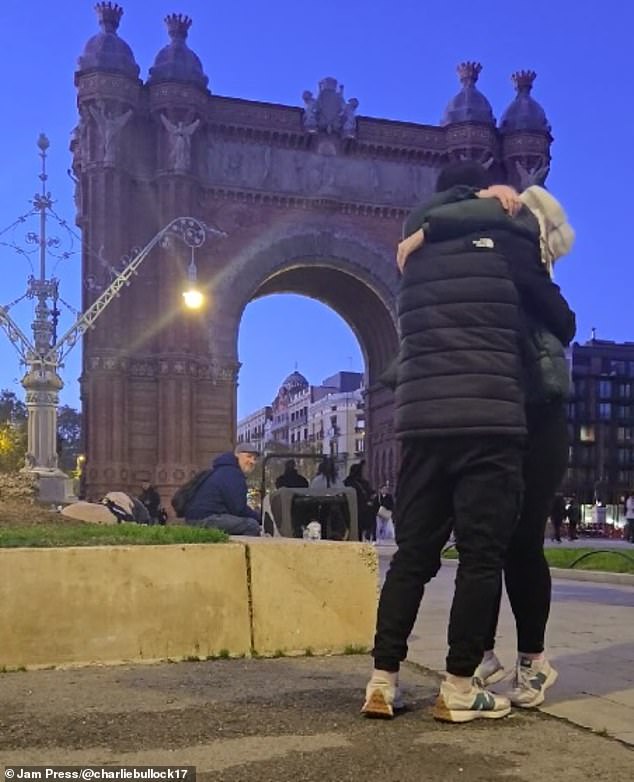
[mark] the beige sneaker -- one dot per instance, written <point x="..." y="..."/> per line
<point x="455" y="706"/>
<point x="532" y="679"/>
<point x="382" y="699"/>
<point x="490" y="671"/>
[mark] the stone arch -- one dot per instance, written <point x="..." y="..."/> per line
<point x="356" y="279"/>
<point x="352" y="277"/>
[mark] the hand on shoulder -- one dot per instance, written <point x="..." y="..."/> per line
<point x="506" y="195"/>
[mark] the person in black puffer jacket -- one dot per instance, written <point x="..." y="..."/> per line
<point x="460" y="414"/>
<point x="547" y="387"/>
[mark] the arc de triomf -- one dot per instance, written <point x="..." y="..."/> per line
<point x="311" y="197"/>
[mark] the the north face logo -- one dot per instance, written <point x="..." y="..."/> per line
<point x="484" y="242"/>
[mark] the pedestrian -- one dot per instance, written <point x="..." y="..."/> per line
<point x="327" y="475"/>
<point x="557" y="516"/>
<point x="220" y="500"/>
<point x="573" y="514"/>
<point x="550" y="324"/>
<point x="290" y="478"/>
<point x="332" y="516"/>
<point x="367" y="504"/>
<point x="384" y="514"/>
<point x="629" y="517"/>
<point x="460" y="417"/>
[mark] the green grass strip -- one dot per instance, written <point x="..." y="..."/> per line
<point x="52" y="536"/>
<point x="609" y="562"/>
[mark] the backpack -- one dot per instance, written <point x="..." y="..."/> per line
<point x="125" y="507"/>
<point x="183" y="496"/>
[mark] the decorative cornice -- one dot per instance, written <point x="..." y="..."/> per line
<point x="256" y="197"/>
<point x="100" y="86"/>
<point x="165" y="95"/>
<point x="524" y="143"/>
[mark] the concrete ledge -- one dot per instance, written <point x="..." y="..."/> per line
<point x="122" y="603"/>
<point x="570" y="574"/>
<point x="112" y="604"/>
<point x="596" y="576"/>
<point x="312" y="595"/>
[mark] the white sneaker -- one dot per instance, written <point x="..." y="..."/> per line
<point x="490" y="671"/>
<point x="382" y="698"/>
<point x="532" y="679"/>
<point x="455" y="706"/>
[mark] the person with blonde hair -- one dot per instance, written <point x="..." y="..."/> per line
<point x="505" y="214"/>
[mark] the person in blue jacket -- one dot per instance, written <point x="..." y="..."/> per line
<point x="221" y="499"/>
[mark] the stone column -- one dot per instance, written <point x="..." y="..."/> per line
<point x="42" y="386"/>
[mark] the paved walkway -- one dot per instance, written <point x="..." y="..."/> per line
<point x="590" y="639"/>
<point x="286" y="720"/>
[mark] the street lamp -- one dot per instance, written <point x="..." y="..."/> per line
<point x="45" y="354"/>
<point x="192" y="295"/>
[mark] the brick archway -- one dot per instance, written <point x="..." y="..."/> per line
<point x="312" y="200"/>
<point x="356" y="280"/>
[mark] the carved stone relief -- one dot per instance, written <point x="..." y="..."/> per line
<point x="308" y="173"/>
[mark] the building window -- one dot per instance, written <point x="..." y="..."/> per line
<point x="605" y="389"/>
<point x="624" y="433"/>
<point x="579" y="387"/>
<point x="625" y="390"/>
<point x="605" y="411"/>
<point x="586" y="434"/>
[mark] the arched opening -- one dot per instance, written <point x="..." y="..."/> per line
<point x="280" y="333"/>
<point x="366" y="304"/>
<point x="302" y="382"/>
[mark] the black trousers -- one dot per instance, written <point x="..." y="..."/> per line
<point x="475" y="484"/>
<point x="526" y="572"/>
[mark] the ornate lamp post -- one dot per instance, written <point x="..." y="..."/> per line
<point x="44" y="355"/>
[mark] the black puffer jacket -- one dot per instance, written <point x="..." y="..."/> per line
<point x="461" y="331"/>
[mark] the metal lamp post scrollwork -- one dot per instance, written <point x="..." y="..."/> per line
<point x="44" y="355"/>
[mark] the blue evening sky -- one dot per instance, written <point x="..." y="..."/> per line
<point x="399" y="60"/>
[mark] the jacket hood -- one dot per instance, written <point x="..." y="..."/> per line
<point x="225" y="460"/>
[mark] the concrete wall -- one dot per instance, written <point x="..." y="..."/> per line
<point x="319" y="596"/>
<point x="69" y="606"/>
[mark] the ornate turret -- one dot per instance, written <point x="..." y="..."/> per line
<point x="526" y="137"/>
<point x="176" y="61"/>
<point x="469" y="105"/>
<point x="524" y="113"/>
<point x="106" y="51"/>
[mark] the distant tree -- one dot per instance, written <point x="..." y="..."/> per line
<point x="68" y="436"/>
<point x="12" y="409"/>
<point x="12" y="431"/>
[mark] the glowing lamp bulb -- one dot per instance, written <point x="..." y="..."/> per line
<point x="193" y="298"/>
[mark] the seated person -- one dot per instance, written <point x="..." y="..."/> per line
<point x="290" y="478"/>
<point x="221" y="499"/>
